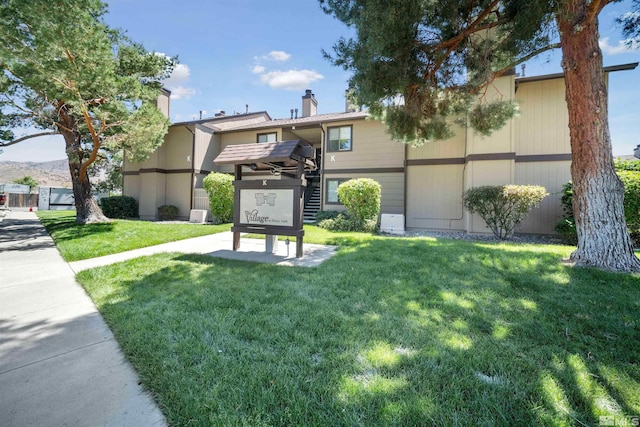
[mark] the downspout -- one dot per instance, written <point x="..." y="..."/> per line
<point x="324" y="155"/>
<point x="193" y="152"/>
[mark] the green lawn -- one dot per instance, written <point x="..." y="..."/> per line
<point x="78" y="242"/>
<point x="405" y="332"/>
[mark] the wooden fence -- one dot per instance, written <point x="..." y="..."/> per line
<point x="16" y="200"/>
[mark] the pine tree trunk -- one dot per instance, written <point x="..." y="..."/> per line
<point x="603" y="238"/>
<point x="87" y="208"/>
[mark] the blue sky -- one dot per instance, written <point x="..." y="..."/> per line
<point x="264" y="54"/>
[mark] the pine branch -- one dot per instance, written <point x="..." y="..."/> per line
<point x="24" y="138"/>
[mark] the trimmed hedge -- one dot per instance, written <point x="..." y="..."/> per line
<point x="503" y="207"/>
<point x="630" y="177"/>
<point x="219" y="188"/>
<point x="361" y="198"/>
<point x="167" y="212"/>
<point x="119" y="207"/>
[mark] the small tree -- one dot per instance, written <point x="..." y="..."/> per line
<point x="219" y="188"/>
<point x="27" y="180"/>
<point x="361" y="198"/>
<point x="503" y="207"/>
<point x="65" y="72"/>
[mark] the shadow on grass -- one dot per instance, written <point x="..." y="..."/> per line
<point x="387" y="332"/>
<point x="64" y="227"/>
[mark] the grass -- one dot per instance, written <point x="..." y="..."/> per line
<point x="78" y="242"/>
<point x="406" y="332"/>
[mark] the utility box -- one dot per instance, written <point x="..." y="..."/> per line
<point x="198" y="216"/>
<point x="392" y="223"/>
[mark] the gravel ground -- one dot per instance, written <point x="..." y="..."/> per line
<point x="461" y="235"/>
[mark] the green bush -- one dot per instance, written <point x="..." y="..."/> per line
<point x="361" y="198"/>
<point x="631" y="179"/>
<point x="322" y="215"/>
<point x="627" y="165"/>
<point x="219" y="188"/>
<point x="119" y="207"/>
<point x="167" y="212"/>
<point x="344" y="222"/>
<point x="503" y="207"/>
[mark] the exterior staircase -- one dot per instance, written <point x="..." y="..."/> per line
<point x="311" y="205"/>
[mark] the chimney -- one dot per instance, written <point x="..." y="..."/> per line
<point x="309" y="104"/>
<point x="162" y="102"/>
<point x="349" y="101"/>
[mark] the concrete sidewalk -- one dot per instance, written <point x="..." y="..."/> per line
<point x="59" y="362"/>
<point x="219" y="245"/>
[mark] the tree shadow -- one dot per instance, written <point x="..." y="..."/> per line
<point x="387" y="332"/>
<point x="64" y="228"/>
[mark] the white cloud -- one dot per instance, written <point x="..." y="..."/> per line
<point x="291" y="79"/>
<point x="258" y="69"/>
<point x="181" y="92"/>
<point x="180" y="74"/>
<point x="176" y="82"/>
<point x="275" y="55"/>
<point x="278" y="55"/>
<point x="623" y="46"/>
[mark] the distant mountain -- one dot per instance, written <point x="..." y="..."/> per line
<point x="52" y="174"/>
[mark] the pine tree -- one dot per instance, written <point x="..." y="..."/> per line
<point x="65" y="72"/>
<point x="438" y="57"/>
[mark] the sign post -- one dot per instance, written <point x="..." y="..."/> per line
<point x="269" y="206"/>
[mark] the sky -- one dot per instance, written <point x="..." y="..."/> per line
<point x="257" y="55"/>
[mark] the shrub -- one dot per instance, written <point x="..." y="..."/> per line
<point x="167" y="212"/>
<point x="627" y="165"/>
<point x="503" y="207"/>
<point x="631" y="180"/>
<point x="119" y="207"/>
<point x="219" y="188"/>
<point x="344" y="222"/>
<point x="361" y="198"/>
<point x="322" y="215"/>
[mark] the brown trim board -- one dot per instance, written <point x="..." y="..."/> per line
<point x="362" y="171"/>
<point x="434" y="162"/>
<point x="543" y="158"/>
<point x="490" y="156"/>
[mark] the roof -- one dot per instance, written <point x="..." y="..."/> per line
<point x="609" y="69"/>
<point x="302" y="121"/>
<point x="214" y="120"/>
<point x="267" y="155"/>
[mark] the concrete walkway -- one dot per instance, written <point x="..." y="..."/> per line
<point x="59" y="363"/>
<point x="219" y="245"/>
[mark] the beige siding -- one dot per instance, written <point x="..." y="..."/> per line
<point x="235" y="138"/>
<point x="204" y="150"/>
<point x="543" y="125"/>
<point x="445" y="149"/>
<point x="434" y="197"/>
<point x="178" y="193"/>
<point x="152" y="194"/>
<point x="131" y="186"/>
<point x="552" y="176"/>
<point x="372" y="148"/>
<point x="486" y="172"/>
<point x="178" y="148"/>
<point x="392" y="189"/>
<point x="500" y="141"/>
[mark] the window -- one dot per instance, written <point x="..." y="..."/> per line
<point x="339" y="138"/>
<point x="267" y="137"/>
<point x="332" y="189"/>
